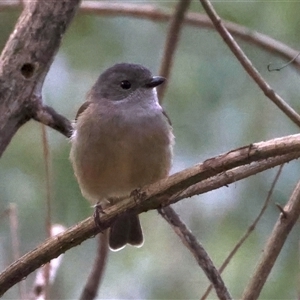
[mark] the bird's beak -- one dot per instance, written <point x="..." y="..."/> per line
<point x="155" y="81"/>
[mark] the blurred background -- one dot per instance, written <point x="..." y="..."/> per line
<point x="214" y="107"/>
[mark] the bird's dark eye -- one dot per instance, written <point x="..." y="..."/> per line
<point x="125" y="85"/>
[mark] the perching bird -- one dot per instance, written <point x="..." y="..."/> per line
<point x="122" y="141"/>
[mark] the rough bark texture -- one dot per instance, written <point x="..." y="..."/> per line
<point x="25" y="60"/>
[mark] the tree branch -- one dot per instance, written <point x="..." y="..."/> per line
<point x="15" y="242"/>
<point x="94" y="280"/>
<point x="233" y="175"/>
<point x="155" y="14"/>
<point x="248" y="231"/>
<point x="32" y="108"/>
<point x="197" y="250"/>
<point x="48" y="116"/>
<point x="26" y="58"/>
<point x="246" y="63"/>
<point x="171" y="43"/>
<point x="155" y="196"/>
<point x="282" y="228"/>
<point x="23" y="65"/>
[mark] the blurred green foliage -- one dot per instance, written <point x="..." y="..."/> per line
<point x="214" y="107"/>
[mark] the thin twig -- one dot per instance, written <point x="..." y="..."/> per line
<point x="48" y="219"/>
<point x="156" y="14"/>
<point x="171" y="43"/>
<point x="273" y="246"/>
<point x="246" y="63"/>
<point x="283" y="66"/>
<point x="197" y="250"/>
<point x="92" y="285"/>
<point x="15" y="242"/>
<point x="248" y="232"/>
<point x="47" y="163"/>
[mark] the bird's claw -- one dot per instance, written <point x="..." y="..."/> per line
<point x="137" y="195"/>
<point x="98" y="210"/>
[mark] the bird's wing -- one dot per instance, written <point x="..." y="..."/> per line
<point x="82" y="108"/>
<point x="167" y="117"/>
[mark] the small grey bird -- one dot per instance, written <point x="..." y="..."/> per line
<point x="122" y="141"/>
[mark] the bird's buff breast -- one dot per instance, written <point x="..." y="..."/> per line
<point x="113" y="157"/>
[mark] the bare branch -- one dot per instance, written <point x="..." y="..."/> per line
<point x="155" y="14"/>
<point x="48" y="116"/>
<point x="247" y="233"/>
<point x="171" y="43"/>
<point x="197" y="250"/>
<point x="23" y="66"/>
<point x="92" y="285"/>
<point x="154" y="196"/>
<point x="48" y="203"/>
<point x="233" y="175"/>
<point x="15" y="242"/>
<point x="47" y="251"/>
<point x="246" y="63"/>
<point x="227" y="169"/>
<point x="274" y="245"/>
<point x="26" y="59"/>
<point x="282" y="66"/>
<point x="47" y="162"/>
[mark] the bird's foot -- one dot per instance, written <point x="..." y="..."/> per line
<point x="98" y="210"/>
<point x="138" y="195"/>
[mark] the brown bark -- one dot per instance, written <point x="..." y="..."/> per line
<point x="25" y="60"/>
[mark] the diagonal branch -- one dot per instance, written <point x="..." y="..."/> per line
<point x="26" y="58"/>
<point x="281" y="230"/>
<point x="156" y="14"/>
<point x="24" y="91"/>
<point x="171" y="43"/>
<point x="247" y="233"/>
<point x="94" y="280"/>
<point x="234" y="175"/>
<point x="247" y="65"/>
<point x="15" y="242"/>
<point x="197" y="250"/>
<point x="160" y="194"/>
